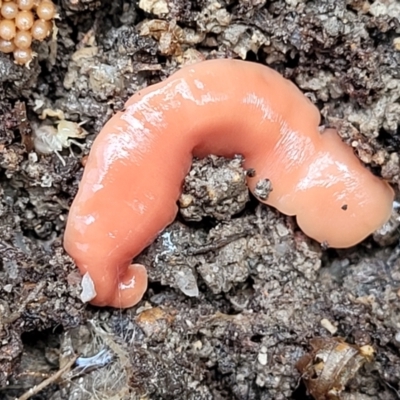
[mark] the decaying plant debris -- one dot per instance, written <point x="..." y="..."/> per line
<point x="236" y="294"/>
<point x="331" y="364"/>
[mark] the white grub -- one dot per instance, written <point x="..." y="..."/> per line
<point x="48" y="139"/>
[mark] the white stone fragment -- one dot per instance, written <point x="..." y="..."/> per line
<point x="88" y="290"/>
<point x="156" y="7"/>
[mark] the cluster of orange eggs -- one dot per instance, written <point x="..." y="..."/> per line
<point x="21" y="22"/>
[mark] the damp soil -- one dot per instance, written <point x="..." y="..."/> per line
<point x="237" y="292"/>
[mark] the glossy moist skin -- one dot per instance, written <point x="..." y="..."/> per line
<point x="137" y="164"/>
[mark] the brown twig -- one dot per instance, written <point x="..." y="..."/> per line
<point x="36" y="389"/>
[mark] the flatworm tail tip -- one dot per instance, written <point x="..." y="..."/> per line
<point x="131" y="288"/>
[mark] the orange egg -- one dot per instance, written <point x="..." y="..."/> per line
<point x="9" y="10"/>
<point x="41" y="29"/>
<point x="23" y="57"/>
<point x="46" y="10"/>
<point x="7" y="46"/>
<point x="7" y="29"/>
<point x="23" y="40"/>
<point x="25" y="5"/>
<point x="24" y="20"/>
